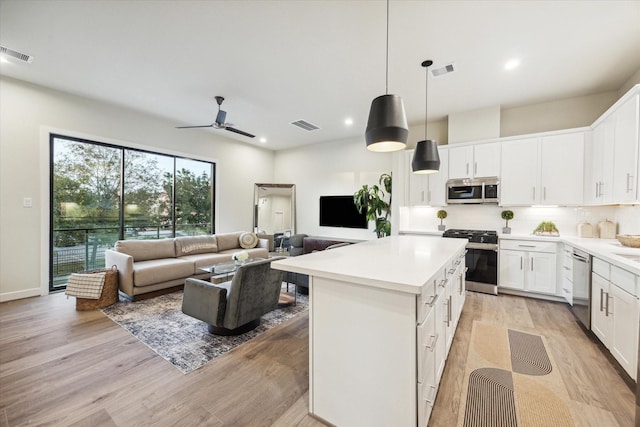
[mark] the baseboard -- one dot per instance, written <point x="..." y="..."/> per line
<point x="27" y="293"/>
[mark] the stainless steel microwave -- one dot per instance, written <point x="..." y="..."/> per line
<point x="472" y="191"/>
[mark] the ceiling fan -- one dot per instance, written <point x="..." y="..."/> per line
<point x="220" y="122"/>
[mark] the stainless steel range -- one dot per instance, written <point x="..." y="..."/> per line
<point x="481" y="259"/>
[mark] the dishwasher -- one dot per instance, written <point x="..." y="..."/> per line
<point x="581" y="263"/>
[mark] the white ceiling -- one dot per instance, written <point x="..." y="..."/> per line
<point x="320" y="61"/>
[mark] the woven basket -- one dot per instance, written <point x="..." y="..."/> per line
<point x="630" y="240"/>
<point x="109" y="293"/>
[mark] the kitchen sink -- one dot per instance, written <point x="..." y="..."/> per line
<point x="632" y="257"/>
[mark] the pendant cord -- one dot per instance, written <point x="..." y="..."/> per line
<point x="426" y="102"/>
<point x="387" y="56"/>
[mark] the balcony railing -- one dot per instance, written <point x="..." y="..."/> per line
<point x="82" y="249"/>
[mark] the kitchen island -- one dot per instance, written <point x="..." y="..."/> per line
<point x="381" y="322"/>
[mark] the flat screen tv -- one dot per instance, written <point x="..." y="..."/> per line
<point x="340" y="211"/>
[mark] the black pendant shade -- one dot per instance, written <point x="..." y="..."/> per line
<point x="425" y="157"/>
<point x="387" y="128"/>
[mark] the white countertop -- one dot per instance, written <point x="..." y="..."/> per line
<point x="608" y="250"/>
<point x="399" y="263"/>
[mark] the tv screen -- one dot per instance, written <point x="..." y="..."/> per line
<point x="340" y="211"/>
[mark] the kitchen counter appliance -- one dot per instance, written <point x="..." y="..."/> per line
<point x="581" y="263"/>
<point x="472" y="191"/>
<point x="481" y="259"/>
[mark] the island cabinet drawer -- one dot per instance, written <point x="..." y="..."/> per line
<point x="427" y="338"/>
<point x="623" y="279"/>
<point x="601" y="268"/>
<point x="528" y="245"/>
<point x="426" y="397"/>
<point x="428" y="296"/>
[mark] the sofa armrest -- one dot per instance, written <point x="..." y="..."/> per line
<point x="204" y="301"/>
<point x="124" y="264"/>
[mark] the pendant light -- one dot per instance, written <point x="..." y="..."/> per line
<point x="425" y="157"/>
<point x="387" y="128"/>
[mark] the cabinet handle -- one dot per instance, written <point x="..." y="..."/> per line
<point x="433" y="299"/>
<point x="467" y="168"/>
<point x="434" y="340"/>
<point x="534" y="194"/>
<point x="606" y="306"/>
<point x="629" y="182"/>
<point x="520" y="262"/>
<point x="544" y="193"/>
<point x="601" y="298"/>
<point x="449" y="312"/>
<point x="566" y="290"/>
<point x="531" y="264"/>
<point x="442" y="283"/>
<point x="601" y="188"/>
<point x="461" y="288"/>
<point x="475" y="168"/>
<point x="566" y="268"/>
<point x="597" y="188"/>
<point x="526" y="246"/>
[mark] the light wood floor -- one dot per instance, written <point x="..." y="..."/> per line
<point x="62" y="367"/>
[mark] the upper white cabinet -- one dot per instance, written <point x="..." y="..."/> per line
<point x="428" y="189"/>
<point x="474" y="161"/>
<point x="612" y="154"/>
<point x="547" y="170"/>
<point x="625" y="153"/>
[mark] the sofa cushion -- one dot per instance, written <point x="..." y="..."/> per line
<point x="190" y="245"/>
<point x="207" y="260"/>
<point x="156" y="271"/>
<point x="248" y="240"/>
<point x="228" y="241"/>
<point x="142" y="250"/>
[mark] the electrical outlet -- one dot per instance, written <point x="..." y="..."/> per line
<point x="27" y="202"/>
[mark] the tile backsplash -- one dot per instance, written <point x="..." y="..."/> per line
<point x="487" y="217"/>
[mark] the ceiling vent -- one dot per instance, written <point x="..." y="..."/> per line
<point x="437" y="72"/>
<point x="303" y="124"/>
<point x="15" y="54"/>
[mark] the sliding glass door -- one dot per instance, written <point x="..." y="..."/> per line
<point x="102" y="193"/>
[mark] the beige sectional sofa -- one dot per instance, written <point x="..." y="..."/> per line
<point x="150" y="265"/>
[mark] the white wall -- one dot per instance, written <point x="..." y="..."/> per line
<point x="334" y="168"/>
<point x="28" y="111"/>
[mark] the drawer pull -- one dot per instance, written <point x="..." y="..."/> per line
<point x="566" y="268"/>
<point x="601" y="298"/>
<point x="434" y="340"/>
<point x="431" y="398"/>
<point x="527" y="246"/>
<point x="432" y="300"/>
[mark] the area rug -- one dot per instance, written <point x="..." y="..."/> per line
<point x="510" y="381"/>
<point x="183" y="340"/>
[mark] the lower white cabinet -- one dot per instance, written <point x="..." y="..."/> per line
<point x="615" y="313"/>
<point x="528" y="266"/>
<point x="440" y="311"/>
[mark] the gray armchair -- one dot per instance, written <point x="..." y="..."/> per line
<point x="234" y="307"/>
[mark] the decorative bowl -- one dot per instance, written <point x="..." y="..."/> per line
<point x="631" y="240"/>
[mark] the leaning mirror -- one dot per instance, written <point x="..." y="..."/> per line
<point x="274" y="209"/>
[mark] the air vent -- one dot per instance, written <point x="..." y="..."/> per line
<point x="15" y="54"/>
<point x="305" y="125"/>
<point x="437" y="72"/>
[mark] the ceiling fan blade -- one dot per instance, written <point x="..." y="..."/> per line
<point x="240" y="132"/>
<point x="193" y="127"/>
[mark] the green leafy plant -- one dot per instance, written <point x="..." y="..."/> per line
<point x="371" y="201"/>
<point x="547" y="227"/>
<point x="507" y="216"/>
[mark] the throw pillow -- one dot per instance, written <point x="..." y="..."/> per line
<point x="248" y="240"/>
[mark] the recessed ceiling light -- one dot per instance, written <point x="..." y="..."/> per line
<point x="348" y="121"/>
<point x="511" y="64"/>
<point x="263" y="140"/>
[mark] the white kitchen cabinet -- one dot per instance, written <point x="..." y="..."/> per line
<point x="428" y="189"/>
<point x="528" y="266"/>
<point x="599" y="162"/>
<point x="543" y="171"/>
<point x="474" y="161"/>
<point x="625" y="153"/>
<point x="615" y="313"/>
<point x="562" y="169"/>
<point x="567" y="274"/>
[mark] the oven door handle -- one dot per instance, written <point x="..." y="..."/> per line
<point x="482" y="246"/>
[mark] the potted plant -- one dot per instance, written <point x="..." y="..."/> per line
<point x="442" y="214"/>
<point x="507" y="216"/>
<point x="371" y="201"/>
<point x="546" y="228"/>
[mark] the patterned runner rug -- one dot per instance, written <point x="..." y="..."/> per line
<point x="180" y="339"/>
<point x="510" y="381"/>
